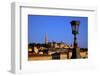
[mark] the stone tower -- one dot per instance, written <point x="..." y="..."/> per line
<point x="46" y="39"/>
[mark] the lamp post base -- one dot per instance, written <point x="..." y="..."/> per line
<point x="75" y="53"/>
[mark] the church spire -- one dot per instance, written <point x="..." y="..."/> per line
<point x="46" y="38"/>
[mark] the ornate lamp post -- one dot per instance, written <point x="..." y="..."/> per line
<point x="75" y="27"/>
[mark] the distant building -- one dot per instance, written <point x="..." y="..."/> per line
<point x="36" y="50"/>
<point x="46" y="39"/>
<point x="49" y="47"/>
<point x="30" y="50"/>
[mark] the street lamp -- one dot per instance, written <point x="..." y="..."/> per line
<point x="75" y="27"/>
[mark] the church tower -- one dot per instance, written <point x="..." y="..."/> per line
<point x="46" y="39"/>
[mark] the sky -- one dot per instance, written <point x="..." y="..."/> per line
<point x="57" y="28"/>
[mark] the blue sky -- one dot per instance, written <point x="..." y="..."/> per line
<point x="57" y="28"/>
